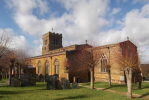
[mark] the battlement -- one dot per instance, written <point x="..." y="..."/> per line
<point x="51" y="34"/>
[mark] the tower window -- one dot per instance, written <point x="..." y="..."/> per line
<point x="45" y="48"/>
<point x="45" y="42"/>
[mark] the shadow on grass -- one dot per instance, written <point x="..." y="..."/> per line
<point x="5" y="85"/>
<point x="11" y="92"/>
<point x="73" y="97"/>
<point x="144" y="95"/>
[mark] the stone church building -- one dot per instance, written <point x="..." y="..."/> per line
<point x="54" y="55"/>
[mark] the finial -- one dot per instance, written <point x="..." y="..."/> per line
<point x="86" y="41"/>
<point x="127" y="38"/>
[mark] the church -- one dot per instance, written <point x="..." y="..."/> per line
<point x="54" y="55"/>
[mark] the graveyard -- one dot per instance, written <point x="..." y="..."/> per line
<point x="50" y="91"/>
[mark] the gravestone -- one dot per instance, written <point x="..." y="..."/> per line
<point x="58" y="84"/>
<point x="41" y="79"/>
<point x="46" y="77"/>
<point x="74" y="85"/>
<point x="66" y="84"/>
<point x="32" y="81"/>
<point x="15" y="82"/>
<point x="51" y="83"/>
<point x="24" y="80"/>
<point x="37" y="78"/>
<point x="56" y="76"/>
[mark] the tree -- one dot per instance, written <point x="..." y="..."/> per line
<point x="67" y="67"/>
<point x="87" y="57"/>
<point x="5" y="41"/>
<point x="128" y="60"/>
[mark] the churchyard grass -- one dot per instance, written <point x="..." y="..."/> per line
<point x="39" y="92"/>
<point x="122" y="88"/>
<point x="3" y="80"/>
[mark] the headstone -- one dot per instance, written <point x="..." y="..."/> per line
<point x="58" y="85"/>
<point x="24" y="80"/>
<point x="74" y="85"/>
<point x="46" y="77"/>
<point x="32" y="81"/>
<point x="37" y="78"/>
<point x="66" y="84"/>
<point x="51" y="83"/>
<point x="56" y="76"/>
<point x="78" y="79"/>
<point x="41" y="79"/>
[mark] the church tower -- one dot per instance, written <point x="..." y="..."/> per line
<point x="51" y="41"/>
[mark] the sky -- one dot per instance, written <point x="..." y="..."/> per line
<point x="101" y="21"/>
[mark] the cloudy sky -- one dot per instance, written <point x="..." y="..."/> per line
<point x="101" y="21"/>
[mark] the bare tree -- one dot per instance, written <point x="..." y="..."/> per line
<point x="5" y="41"/>
<point x="87" y="57"/>
<point x="21" y="58"/>
<point x="129" y="61"/>
<point x="67" y="67"/>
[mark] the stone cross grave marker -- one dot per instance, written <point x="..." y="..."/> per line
<point x="24" y="80"/>
<point x="66" y="84"/>
<point x="74" y="85"/>
<point x="41" y="79"/>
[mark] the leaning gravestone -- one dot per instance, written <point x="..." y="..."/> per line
<point x="24" y="80"/>
<point x="41" y="79"/>
<point x="66" y="84"/>
<point x="46" y="77"/>
<point x="74" y="85"/>
<point x="51" y="83"/>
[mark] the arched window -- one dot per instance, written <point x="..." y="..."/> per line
<point x="47" y="67"/>
<point x="39" y="66"/>
<point x="56" y="67"/>
<point x="103" y="63"/>
<point x="45" y="42"/>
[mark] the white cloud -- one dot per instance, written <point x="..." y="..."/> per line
<point x="85" y="19"/>
<point x="115" y="11"/>
<point x="20" y="42"/>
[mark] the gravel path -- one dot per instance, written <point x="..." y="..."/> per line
<point x="123" y="93"/>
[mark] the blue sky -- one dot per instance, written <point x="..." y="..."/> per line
<point x="101" y="21"/>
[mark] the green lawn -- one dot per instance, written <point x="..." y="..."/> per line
<point x="122" y="88"/>
<point x="3" y="80"/>
<point x="39" y="92"/>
